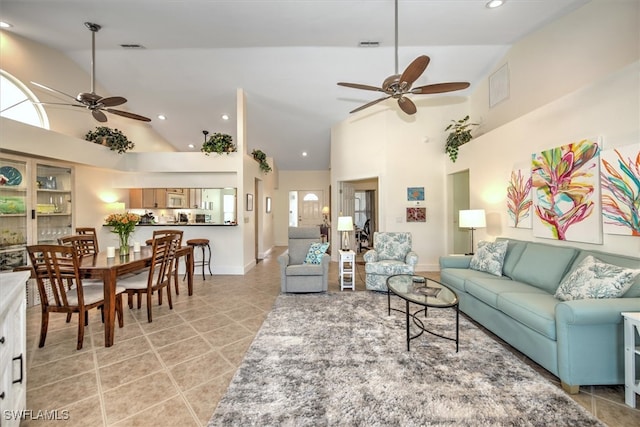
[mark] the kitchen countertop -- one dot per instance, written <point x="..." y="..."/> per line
<point x="186" y="224"/>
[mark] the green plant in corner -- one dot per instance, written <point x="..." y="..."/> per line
<point x="219" y="143"/>
<point x="261" y="158"/>
<point x="112" y="138"/>
<point x="460" y="135"/>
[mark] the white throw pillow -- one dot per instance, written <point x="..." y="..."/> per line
<point x="594" y="279"/>
<point x="489" y="257"/>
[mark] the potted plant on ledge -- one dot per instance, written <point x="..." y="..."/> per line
<point x="261" y="158"/>
<point x="460" y="135"/>
<point x="112" y="138"/>
<point x="219" y="143"/>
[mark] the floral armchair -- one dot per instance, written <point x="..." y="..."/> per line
<point x="391" y="254"/>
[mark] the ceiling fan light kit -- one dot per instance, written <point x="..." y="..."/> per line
<point x="90" y="100"/>
<point x="397" y="86"/>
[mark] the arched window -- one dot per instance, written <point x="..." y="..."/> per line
<point x="16" y="102"/>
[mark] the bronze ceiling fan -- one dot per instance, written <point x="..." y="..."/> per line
<point x="397" y="86"/>
<point x="90" y="100"/>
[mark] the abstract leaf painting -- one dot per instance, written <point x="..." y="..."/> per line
<point x="519" y="198"/>
<point x="620" y="181"/>
<point x="566" y="194"/>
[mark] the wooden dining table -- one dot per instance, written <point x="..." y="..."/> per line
<point x="110" y="269"/>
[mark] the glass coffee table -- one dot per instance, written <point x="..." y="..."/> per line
<point x="424" y="292"/>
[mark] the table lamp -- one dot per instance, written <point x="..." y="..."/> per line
<point x="325" y="215"/>
<point x="345" y="224"/>
<point x="472" y="219"/>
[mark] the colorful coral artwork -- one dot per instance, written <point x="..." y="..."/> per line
<point x="519" y="198"/>
<point x="620" y="181"/>
<point x="566" y="194"/>
<point x="415" y="193"/>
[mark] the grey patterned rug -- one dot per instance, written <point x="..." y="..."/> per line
<point x="337" y="359"/>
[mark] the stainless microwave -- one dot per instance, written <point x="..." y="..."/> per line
<point x="176" y="200"/>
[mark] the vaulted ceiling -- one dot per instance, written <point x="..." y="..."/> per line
<point x="287" y="55"/>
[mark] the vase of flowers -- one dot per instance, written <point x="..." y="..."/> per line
<point x="123" y="225"/>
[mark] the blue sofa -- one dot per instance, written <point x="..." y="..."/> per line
<point x="579" y="341"/>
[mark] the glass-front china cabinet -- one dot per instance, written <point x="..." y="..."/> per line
<point x="35" y="206"/>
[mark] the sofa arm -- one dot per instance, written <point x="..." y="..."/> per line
<point x="455" y="261"/>
<point x="595" y="311"/>
<point x="411" y="258"/>
<point x="370" y="256"/>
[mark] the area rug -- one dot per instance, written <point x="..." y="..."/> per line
<point x="338" y="359"/>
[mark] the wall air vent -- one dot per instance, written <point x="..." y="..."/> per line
<point x="368" y="43"/>
<point x="132" y="46"/>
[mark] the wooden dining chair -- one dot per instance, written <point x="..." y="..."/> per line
<point x="178" y="234"/>
<point x="58" y="266"/>
<point x="89" y="231"/>
<point x="158" y="277"/>
<point x="84" y="244"/>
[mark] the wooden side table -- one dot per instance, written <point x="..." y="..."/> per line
<point x="347" y="270"/>
<point x="631" y="351"/>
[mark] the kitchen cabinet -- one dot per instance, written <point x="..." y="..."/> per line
<point x="147" y="198"/>
<point x="13" y="347"/>
<point x="36" y="206"/>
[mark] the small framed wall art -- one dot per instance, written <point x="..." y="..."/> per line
<point x="415" y="194"/>
<point x="416" y="214"/>
<point x="249" y="202"/>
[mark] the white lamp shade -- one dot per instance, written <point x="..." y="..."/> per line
<point x="345" y="223"/>
<point x="472" y="218"/>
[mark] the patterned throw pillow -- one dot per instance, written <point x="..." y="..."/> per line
<point x="316" y="250"/>
<point x="489" y="257"/>
<point x="595" y="279"/>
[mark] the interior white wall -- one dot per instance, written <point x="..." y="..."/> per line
<point x="590" y="94"/>
<point x="293" y="181"/>
<point x="30" y="61"/>
<point x="608" y="108"/>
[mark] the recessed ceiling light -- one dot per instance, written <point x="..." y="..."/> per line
<point x="225" y="117"/>
<point x="162" y="117"/>
<point x="5" y="25"/>
<point x="492" y="4"/>
<point x="304" y="154"/>
<point x="191" y="146"/>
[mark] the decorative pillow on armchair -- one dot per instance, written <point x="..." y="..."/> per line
<point x="595" y="279"/>
<point x="316" y="251"/>
<point x="489" y="257"/>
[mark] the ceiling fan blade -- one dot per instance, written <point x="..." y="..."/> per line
<point x="112" y="101"/>
<point x="99" y="116"/>
<point x="53" y="90"/>
<point x="128" y="115"/>
<point x="359" y="86"/>
<point x="440" y="87"/>
<point x="369" y="104"/>
<point x="407" y="105"/>
<point x="413" y="71"/>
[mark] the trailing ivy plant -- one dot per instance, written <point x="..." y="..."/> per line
<point x="460" y="135"/>
<point x="261" y="158"/>
<point x="112" y="138"/>
<point x="219" y="143"/>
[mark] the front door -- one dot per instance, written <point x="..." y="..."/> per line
<point x="310" y="208"/>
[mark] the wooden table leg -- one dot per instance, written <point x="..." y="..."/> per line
<point x="109" y="280"/>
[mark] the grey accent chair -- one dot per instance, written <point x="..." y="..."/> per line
<point x="295" y="276"/>
<point x="391" y="254"/>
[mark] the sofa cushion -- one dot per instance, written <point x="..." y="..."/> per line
<point x="388" y="268"/>
<point x="543" y="266"/>
<point x="489" y="257"/>
<point x="304" y="270"/>
<point x="615" y="259"/>
<point x="594" y="279"/>
<point x="534" y="310"/>
<point x="316" y="250"/>
<point x="514" y="252"/>
<point x="456" y="277"/>
<point x="488" y="289"/>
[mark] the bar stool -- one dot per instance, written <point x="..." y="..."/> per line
<point x="204" y="245"/>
